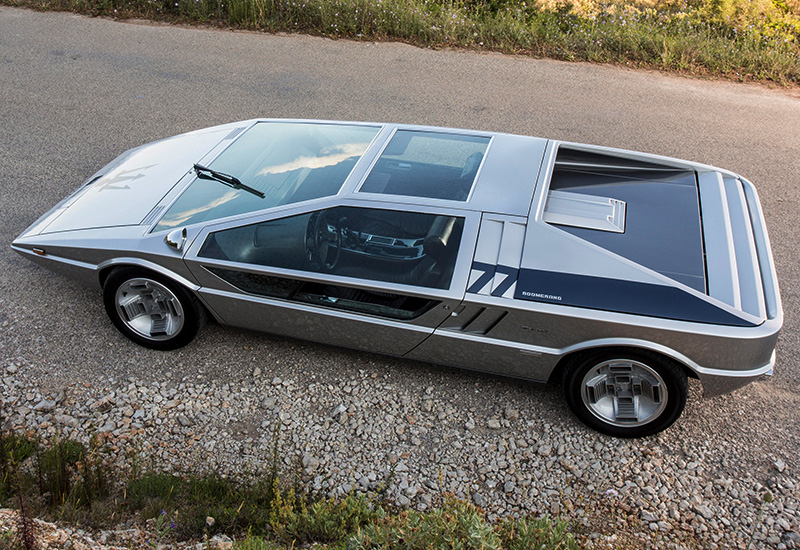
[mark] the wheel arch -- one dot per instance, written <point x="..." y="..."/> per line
<point x="572" y="353"/>
<point x="105" y="269"/>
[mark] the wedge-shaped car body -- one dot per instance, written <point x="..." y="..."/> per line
<point x="617" y="274"/>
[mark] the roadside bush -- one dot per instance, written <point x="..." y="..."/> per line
<point x="457" y="526"/>
<point x="293" y="520"/>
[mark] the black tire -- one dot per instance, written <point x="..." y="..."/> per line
<point x="152" y="310"/>
<point x="662" y="391"/>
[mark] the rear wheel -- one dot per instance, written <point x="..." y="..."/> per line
<point x="152" y="310"/>
<point x="625" y="393"/>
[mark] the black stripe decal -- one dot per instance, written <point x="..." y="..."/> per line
<point x="483" y="280"/>
<point x="511" y="274"/>
<point x="621" y="296"/>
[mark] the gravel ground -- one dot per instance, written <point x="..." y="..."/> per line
<point x="509" y="448"/>
<point x="78" y="91"/>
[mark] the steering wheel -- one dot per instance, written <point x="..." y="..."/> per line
<point x="325" y="242"/>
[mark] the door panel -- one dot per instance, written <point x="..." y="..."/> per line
<point x="374" y="279"/>
<point x="341" y="328"/>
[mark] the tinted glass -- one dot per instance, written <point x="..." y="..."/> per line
<point x="381" y="245"/>
<point x="428" y="164"/>
<point x="288" y="162"/>
<point x="383" y="304"/>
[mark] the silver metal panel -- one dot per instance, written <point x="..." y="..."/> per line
<point x="504" y="183"/>
<point x="569" y="329"/>
<point x="769" y="278"/>
<point x="320" y="324"/>
<point x="126" y="194"/>
<point x="528" y="344"/>
<point x="486" y="253"/>
<point x="551" y="249"/>
<point x="486" y="355"/>
<point x="751" y="291"/>
<point x="496" y="265"/>
<point x="508" y="176"/>
<point x="102" y="248"/>
<point x="84" y="273"/>
<point x="508" y="259"/>
<point x="723" y="277"/>
<point x="719" y="382"/>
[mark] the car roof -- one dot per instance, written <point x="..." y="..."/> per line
<point x="504" y="184"/>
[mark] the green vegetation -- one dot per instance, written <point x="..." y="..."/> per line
<point x="66" y="480"/>
<point x="740" y="39"/>
<point x="460" y="525"/>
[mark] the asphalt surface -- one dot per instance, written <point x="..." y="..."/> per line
<point x="75" y="92"/>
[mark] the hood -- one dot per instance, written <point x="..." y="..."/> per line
<point x="126" y="190"/>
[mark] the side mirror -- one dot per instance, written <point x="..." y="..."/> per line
<point x="176" y="239"/>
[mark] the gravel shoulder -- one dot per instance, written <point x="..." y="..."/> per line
<point x="77" y="91"/>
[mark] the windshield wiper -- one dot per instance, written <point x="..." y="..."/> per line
<point x="227" y="179"/>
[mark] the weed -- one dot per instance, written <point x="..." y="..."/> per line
<point x="162" y="528"/>
<point x="294" y="520"/>
<point x="457" y="525"/>
<point x="56" y="467"/>
<point x="527" y="533"/>
<point x="9" y="541"/>
<point x="767" y="499"/>
<point x="14" y="450"/>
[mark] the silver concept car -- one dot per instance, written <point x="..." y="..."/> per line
<point x="617" y="274"/>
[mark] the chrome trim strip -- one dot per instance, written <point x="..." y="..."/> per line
<point x="152" y="267"/>
<point x="765" y="370"/>
<point x="74" y="263"/>
<point x="316" y="310"/>
<point x="609" y="342"/>
<point x="523" y="348"/>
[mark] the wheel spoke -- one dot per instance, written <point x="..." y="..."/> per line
<point x="134" y="309"/>
<point x="624" y="392"/>
<point x="597" y="390"/>
<point x="150" y="309"/>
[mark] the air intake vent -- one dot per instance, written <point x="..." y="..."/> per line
<point x="587" y="211"/>
<point x="235" y="132"/>
<point x="152" y="216"/>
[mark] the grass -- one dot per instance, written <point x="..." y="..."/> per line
<point x="65" y="480"/>
<point x="460" y="525"/>
<point x="755" y="40"/>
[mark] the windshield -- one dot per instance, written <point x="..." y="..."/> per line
<point x="286" y="161"/>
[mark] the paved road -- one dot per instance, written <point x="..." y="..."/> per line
<point x="75" y="92"/>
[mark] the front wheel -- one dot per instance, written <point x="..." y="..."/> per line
<point x="625" y="393"/>
<point x="152" y="310"/>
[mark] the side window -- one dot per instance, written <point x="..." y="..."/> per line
<point x="384" y="246"/>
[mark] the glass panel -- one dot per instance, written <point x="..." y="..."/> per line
<point x="428" y="164"/>
<point x="381" y="245"/>
<point x="383" y="304"/>
<point x="288" y="162"/>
